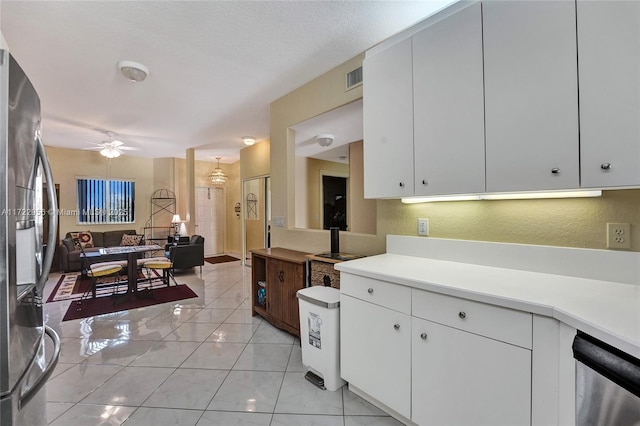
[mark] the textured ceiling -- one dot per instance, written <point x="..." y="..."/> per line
<point x="214" y="65"/>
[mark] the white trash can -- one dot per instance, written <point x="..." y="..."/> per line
<point x="320" y="335"/>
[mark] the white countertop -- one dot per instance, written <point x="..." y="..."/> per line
<point x="607" y="310"/>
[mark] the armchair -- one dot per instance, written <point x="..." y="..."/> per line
<point x="185" y="256"/>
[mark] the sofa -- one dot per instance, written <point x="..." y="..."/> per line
<point x="93" y="241"/>
<point x="186" y="255"/>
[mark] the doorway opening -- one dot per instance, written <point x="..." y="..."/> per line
<point x="210" y="218"/>
<point x="256" y="224"/>
<point x="334" y="202"/>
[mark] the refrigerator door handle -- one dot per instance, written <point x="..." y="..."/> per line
<point x="53" y="215"/>
<point x="40" y="382"/>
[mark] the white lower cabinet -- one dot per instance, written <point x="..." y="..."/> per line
<point x="435" y="359"/>
<point x="461" y="378"/>
<point x="375" y="354"/>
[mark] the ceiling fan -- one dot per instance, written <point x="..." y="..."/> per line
<point x="111" y="148"/>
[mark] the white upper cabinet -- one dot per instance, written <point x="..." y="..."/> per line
<point x="449" y="105"/>
<point x="531" y="95"/>
<point x="609" y="64"/>
<point x="388" y="122"/>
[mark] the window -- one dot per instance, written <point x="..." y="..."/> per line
<point x="106" y="201"/>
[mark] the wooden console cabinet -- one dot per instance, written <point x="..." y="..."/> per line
<point x="284" y="273"/>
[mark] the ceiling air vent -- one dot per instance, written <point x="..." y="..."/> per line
<point x="354" y="78"/>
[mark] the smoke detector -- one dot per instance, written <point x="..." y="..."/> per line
<point x="325" y="139"/>
<point x="133" y="71"/>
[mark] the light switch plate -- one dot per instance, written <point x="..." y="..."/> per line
<point x="278" y="221"/>
<point x="423" y="227"/>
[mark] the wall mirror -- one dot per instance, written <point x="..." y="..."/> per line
<point x="329" y="184"/>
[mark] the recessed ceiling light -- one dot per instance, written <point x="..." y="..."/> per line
<point x="248" y="140"/>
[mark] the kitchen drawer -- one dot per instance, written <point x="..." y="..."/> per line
<point x="491" y="321"/>
<point x="392" y="296"/>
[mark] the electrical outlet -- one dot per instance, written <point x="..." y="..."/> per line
<point x="423" y="227"/>
<point x="619" y="235"/>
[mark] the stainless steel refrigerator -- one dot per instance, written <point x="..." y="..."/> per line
<point x="25" y="365"/>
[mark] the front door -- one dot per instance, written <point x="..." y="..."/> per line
<point x="210" y="219"/>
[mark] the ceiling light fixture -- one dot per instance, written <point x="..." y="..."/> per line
<point x="217" y="176"/>
<point x="133" y="71"/>
<point x="248" y="140"/>
<point x="325" y="139"/>
<point x="110" y="152"/>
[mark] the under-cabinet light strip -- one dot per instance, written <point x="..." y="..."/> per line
<point x="504" y="196"/>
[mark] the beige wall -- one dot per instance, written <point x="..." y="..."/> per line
<point x="255" y="227"/>
<point x="323" y="94"/>
<point x="202" y="169"/>
<point x="313" y="184"/>
<point x="233" y="194"/>
<point x="579" y="222"/>
<point x="150" y="175"/>
<point x="68" y="164"/>
<point x="255" y="160"/>
<point x="363" y="213"/>
<point x="568" y="222"/>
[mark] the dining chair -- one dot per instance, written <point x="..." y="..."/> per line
<point x="159" y="263"/>
<point x="100" y="270"/>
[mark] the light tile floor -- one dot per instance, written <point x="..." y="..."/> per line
<point x="202" y="361"/>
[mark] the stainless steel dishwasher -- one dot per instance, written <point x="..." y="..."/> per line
<point x="607" y="384"/>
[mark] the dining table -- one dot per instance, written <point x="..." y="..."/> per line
<point x="132" y="261"/>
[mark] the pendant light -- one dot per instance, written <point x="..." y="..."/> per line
<point x="217" y="176"/>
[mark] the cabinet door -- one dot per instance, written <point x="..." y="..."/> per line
<point x="375" y="353"/>
<point x="292" y="281"/>
<point x="460" y="378"/>
<point x="388" y="122"/>
<point x="531" y="99"/>
<point x="274" y="288"/>
<point x="609" y="64"/>
<point x="449" y="105"/>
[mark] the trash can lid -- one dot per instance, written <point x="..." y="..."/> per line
<point x="327" y="297"/>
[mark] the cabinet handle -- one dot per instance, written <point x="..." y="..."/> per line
<point x="396" y="326"/>
<point x="462" y="315"/>
<point x="401" y="184"/>
<point x="555" y="170"/>
<point x="423" y="336"/>
<point x="370" y="291"/>
<point x="605" y="166"/>
<point x="281" y="276"/>
<point x="424" y="182"/>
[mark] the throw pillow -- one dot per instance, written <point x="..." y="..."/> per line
<point x="130" y="240"/>
<point x="82" y="239"/>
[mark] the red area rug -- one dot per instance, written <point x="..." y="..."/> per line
<point x="105" y="305"/>
<point x="72" y="286"/>
<point x="220" y="259"/>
